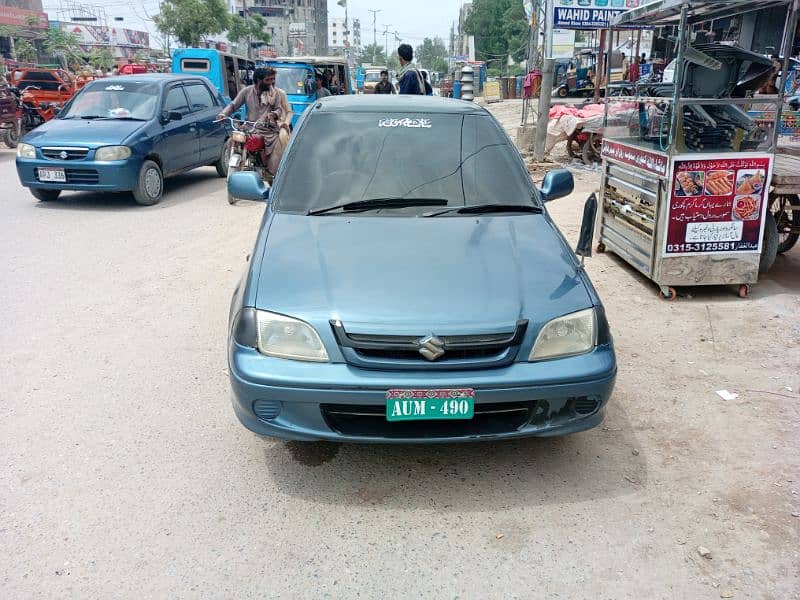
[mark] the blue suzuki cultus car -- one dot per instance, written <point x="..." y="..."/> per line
<point x="125" y="134"/>
<point x="408" y="285"/>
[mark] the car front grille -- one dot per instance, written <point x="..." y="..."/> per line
<point x="370" y="421"/>
<point x="65" y="153"/>
<point x="84" y="176"/>
<point x="398" y="352"/>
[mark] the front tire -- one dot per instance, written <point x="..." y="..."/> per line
<point x="769" y="245"/>
<point x="150" y="186"/>
<point x="43" y="195"/>
<point x="11" y="137"/>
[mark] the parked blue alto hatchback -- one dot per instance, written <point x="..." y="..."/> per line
<point x="408" y="285"/>
<point x="126" y="134"/>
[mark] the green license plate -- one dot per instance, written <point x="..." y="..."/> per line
<point x="417" y="405"/>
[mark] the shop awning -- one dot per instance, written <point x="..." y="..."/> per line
<point x="668" y="12"/>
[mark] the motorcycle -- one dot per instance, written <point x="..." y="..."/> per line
<point x="30" y="113"/>
<point x="243" y="151"/>
<point x="8" y="117"/>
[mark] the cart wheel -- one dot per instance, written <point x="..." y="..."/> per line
<point x="744" y="289"/>
<point x="787" y="219"/>
<point x="669" y="294"/>
<point x="601" y="247"/>
<point x="573" y="145"/>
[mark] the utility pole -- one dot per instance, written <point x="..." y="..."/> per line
<point x="386" y="41"/>
<point x="374" y="12"/>
<point x="546" y="89"/>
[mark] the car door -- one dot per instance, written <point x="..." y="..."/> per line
<point x="204" y="110"/>
<point x="178" y="147"/>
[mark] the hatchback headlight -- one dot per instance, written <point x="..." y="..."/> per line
<point x="112" y="153"/>
<point x="571" y="334"/>
<point x="26" y="151"/>
<point x="278" y="335"/>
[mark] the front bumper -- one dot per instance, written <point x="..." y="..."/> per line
<point x="86" y="175"/>
<point x="297" y="396"/>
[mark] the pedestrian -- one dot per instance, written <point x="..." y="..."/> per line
<point x="383" y="86"/>
<point x="428" y="88"/>
<point x="643" y="59"/>
<point x="321" y="91"/>
<point x="625" y="67"/>
<point x="410" y="79"/>
<point x="633" y="74"/>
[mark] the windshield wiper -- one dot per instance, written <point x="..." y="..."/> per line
<point x="371" y="203"/>
<point x="90" y="117"/>
<point x="119" y="119"/>
<point x="479" y="209"/>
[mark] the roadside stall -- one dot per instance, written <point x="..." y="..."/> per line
<point x="686" y="174"/>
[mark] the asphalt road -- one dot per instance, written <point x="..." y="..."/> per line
<point x="126" y="475"/>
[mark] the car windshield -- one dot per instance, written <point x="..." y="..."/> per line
<point x="463" y="160"/>
<point x="372" y="76"/>
<point x="292" y="80"/>
<point x="114" y="100"/>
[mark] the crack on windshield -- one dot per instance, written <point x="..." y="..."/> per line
<point x="377" y="162"/>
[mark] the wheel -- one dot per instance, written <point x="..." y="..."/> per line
<point x="769" y="245"/>
<point x="11" y="137"/>
<point x="150" y="186"/>
<point x="573" y="145"/>
<point x="786" y="220"/>
<point x="601" y="247"/>
<point x="670" y="294"/>
<point x="45" y="195"/>
<point x="562" y="92"/>
<point x="744" y="289"/>
<point x="222" y="163"/>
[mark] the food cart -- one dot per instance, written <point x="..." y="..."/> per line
<point x="686" y="173"/>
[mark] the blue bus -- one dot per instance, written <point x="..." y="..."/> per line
<point x="227" y="72"/>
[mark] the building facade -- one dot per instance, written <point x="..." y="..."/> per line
<point x="296" y="27"/>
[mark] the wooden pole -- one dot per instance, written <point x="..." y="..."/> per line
<point x="600" y="68"/>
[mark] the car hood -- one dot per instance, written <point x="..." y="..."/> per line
<point x="453" y="274"/>
<point x="92" y="133"/>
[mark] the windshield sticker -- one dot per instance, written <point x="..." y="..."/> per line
<point x="115" y="88"/>
<point x="412" y="123"/>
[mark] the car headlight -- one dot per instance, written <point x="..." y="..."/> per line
<point x="26" y="151"/>
<point x="112" y="153"/>
<point x="571" y="334"/>
<point x="278" y="335"/>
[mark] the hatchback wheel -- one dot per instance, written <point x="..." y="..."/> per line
<point x="45" y="195"/>
<point x="150" y="186"/>
<point x="222" y="164"/>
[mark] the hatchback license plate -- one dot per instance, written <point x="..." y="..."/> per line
<point x="417" y="405"/>
<point x="51" y="174"/>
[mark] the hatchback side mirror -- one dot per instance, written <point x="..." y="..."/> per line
<point x="170" y="115"/>
<point x="247" y="185"/>
<point x="557" y="184"/>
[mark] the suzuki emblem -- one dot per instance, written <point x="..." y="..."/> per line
<point x="431" y="347"/>
<point x="63" y="155"/>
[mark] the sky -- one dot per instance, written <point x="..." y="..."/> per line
<point x="414" y="20"/>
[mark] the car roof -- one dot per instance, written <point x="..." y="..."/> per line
<point x="312" y="60"/>
<point x="391" y="103"/>
<point x="161" y="78"/>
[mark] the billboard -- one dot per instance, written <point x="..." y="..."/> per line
<point x="589" y="14"/>
<point x="297" y="30"/>
<point x="97" y="35"/>
<point x="19" y="17"/>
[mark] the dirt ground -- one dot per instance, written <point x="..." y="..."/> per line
<point x="720" y="474"/>
<point x="125" y="473"/>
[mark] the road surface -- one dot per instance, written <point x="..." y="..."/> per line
<point x="126" y="475"/>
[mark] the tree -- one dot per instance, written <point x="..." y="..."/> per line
<point x="25" y="51"/>
<point x="431" y="54"/>
<point x="190" y="21"/>
<point x="63" y="45"/>
<point x="500" y="29"/>
<point x="101" y="58"/>
<point x="251" y="31"/>
<point x="372" y="50"/>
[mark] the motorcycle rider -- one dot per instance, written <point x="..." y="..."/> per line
<point x="268" y="106"/>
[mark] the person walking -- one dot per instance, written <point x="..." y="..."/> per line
<point x="410" y="79"/>
<point x="383" y="86"/>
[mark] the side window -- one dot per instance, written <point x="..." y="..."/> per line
<point x="176" y="101"/>
<point x="199" y="97"/>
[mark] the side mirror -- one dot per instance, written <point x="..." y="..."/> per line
<point x="584" y="247"/>
<point x="247" y="185"/>
<point x="171" y="115"/>
<point x="557" y="184"/>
